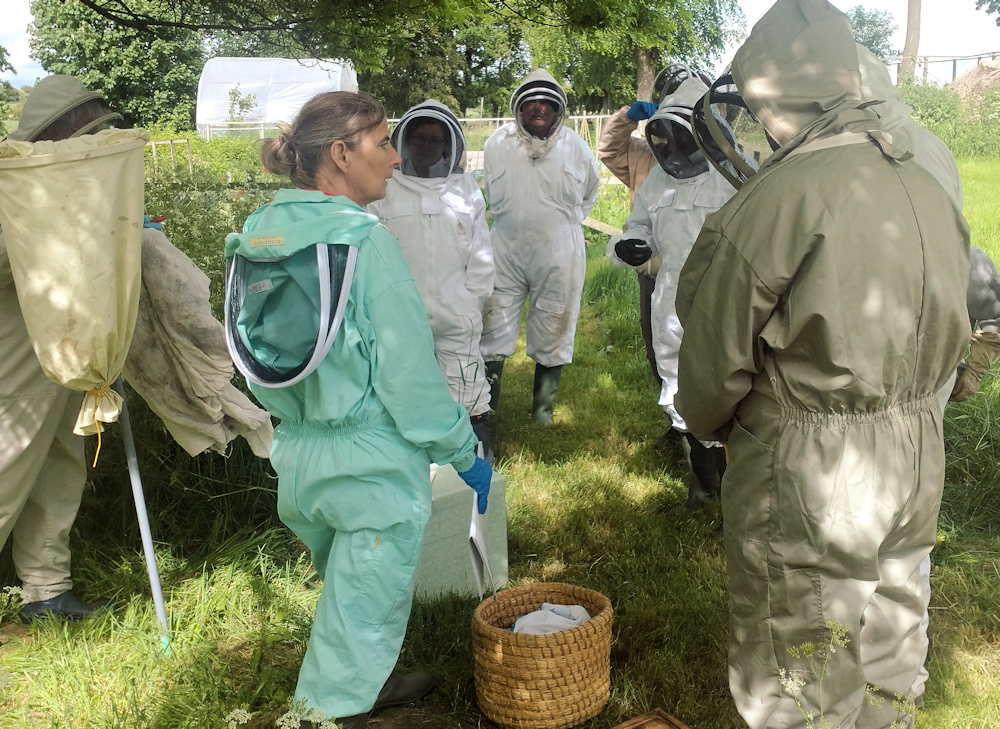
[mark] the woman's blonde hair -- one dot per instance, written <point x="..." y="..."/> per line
<point x="345" y="116"/>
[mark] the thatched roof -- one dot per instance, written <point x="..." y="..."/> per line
<point x="972" y="85"/>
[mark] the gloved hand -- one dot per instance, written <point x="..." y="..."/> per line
<point x="640" y="110"/>
<point x="633" y="251"/>
<point x="984" y="349"/>
<point x="148" y="222"/>
<point x="478" y="478"/>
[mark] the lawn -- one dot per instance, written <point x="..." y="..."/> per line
<point x="590" y="501"/>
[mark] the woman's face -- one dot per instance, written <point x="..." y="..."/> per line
<point x="427" y="142"/>
<point x="370" y="165"/>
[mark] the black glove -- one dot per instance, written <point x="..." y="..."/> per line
<point x="633" y="251"/>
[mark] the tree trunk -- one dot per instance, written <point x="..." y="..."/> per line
<point x="910" y="45"/>
<point x="645" y="65"/>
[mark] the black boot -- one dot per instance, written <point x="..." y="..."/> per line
<point x="705" y="469"/>
<point x="67" y="606"/>
<point x="481" y="427"/>
<point x="494" y="371"/>
<point x="403" y="688"/>
<point x="543" y="393"/>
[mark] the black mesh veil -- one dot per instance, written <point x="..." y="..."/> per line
<point x="729" y="134"/>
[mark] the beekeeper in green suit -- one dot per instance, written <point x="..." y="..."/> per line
<point x="823" y="309"/>
<point x="326" y="322"/>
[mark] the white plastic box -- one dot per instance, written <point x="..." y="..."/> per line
<point x="445" y="565"/>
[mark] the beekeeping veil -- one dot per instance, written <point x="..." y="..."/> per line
<point x="61" y="107"/>
<point x="667" y="80"/>
<point x="797" y="66"/>
<point x="539" y="84"/>
<point x="452" y="150"/>
<point x="286" y="292"/>
<point x="669" y="135"/>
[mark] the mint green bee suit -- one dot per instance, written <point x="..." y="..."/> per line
<point x="356" y="439"/>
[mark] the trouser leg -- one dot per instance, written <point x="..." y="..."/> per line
<point x="924" y="575"/>
<point x="646" y="286"/>
<point x="48" y="508"/>
<point x="851" y="513"/>
<point x="360" y="620"/>
<point x="360" y="503"/>
<point x="544" y="393"/>
<point x="705" y="467"/>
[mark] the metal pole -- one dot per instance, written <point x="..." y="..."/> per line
<point x="143" y="517"/>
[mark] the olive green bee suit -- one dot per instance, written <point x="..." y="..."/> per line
<point x="823" y="308"/>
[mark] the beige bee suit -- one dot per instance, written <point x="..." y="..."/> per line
<point x="823" y="309"/>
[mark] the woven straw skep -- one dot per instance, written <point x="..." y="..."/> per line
<point x="542" y="681"/>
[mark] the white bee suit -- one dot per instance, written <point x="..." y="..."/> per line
<point x="539" y="191"/>
<point x="440" y="222"/>
<point x="442" y="232"/>
<point x="667" y="215"/>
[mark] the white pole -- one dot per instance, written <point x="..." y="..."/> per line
<point x="140" y="512"/>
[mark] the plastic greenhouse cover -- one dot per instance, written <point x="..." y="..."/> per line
<point x="280" y="86"/>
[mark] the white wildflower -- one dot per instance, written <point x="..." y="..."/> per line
<point x="291" y="720"/>
<point x="314" y="715"/>
<point x="14" y="591"/>
<point x="791" y="681"/>
<point x="237" y="717"/>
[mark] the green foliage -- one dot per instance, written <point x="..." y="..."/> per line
<point x="4" y="62"/>
<point x="873" y="29"/>
<point x="692" y="30"/>
<point x="149" y="77"/>
<point x="478" y="61"/>
<point x="970" y="129"/>
<point x="588" y="504"/>
<point x="240" y="104"/>
<point x="991" y="6"/>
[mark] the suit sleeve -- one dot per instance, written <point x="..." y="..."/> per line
<point x="480" y="269"/>
<point x="408" y="380"/>
<point x="593" y="184"/>
<point x="723" y="305"/>
<point x="616" y="145"/>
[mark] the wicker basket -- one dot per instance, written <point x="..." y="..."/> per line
<point x="542" y="681"/>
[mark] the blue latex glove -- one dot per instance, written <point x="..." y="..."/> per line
<point x="641" y="110"/>
<point x="147" y="223"/>
<point x="478" y="477"/>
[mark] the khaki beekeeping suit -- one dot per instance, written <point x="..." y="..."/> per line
<point x="823" y="308"/>
<point x="42" y="466"/>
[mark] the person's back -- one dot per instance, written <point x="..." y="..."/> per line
<point x="823" y="309"/>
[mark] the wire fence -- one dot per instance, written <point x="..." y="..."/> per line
<point x="476" y="131"/>
<point x="941" y="70"/>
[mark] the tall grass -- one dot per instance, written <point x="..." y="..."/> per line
<point x="589" y="501"/>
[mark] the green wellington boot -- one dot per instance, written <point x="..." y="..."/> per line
<point x="543" y="393"/>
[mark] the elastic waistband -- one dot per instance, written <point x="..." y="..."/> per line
<point x="315" y="430"/>
<point x="893" y="412"/>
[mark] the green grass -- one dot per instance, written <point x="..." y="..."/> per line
<point x="589" y="503"/>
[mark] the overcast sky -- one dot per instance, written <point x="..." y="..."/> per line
<point x="948" y="28"/>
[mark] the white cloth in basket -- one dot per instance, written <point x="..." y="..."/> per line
<point x="551" y="619"/>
